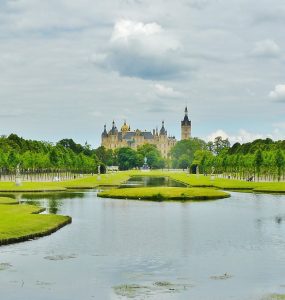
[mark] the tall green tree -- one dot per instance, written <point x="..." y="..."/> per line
<point x="186" y="148"/>
<point x="258" y="161"/>
<point x="279" y="162"/>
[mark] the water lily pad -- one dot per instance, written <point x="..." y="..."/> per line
<point x="60" y="257"/>
<point x="158" y="287"/>
<point x="5" y="266"/>
<point x="221" y="277"/>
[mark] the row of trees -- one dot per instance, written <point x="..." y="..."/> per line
<point x="41" y="160"/>
<point x="260" y="159"/>
<point x="127" y="158"/>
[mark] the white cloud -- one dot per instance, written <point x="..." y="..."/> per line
<point x="166" y="92"/>
<point x="127" y="29"/>
<point x="278" y="93"/>
<point x="143" y="50"/>
<point x="266" y="48"/>
<point x="44" y="64"/>
<point x="219" y="132"/>
<point x="243" y="136"/>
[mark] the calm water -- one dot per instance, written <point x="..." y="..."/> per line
<point x="117" y="242"/>
<point x="140" y="181"/>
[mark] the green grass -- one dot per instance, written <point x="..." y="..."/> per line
<point x="88" y="182"/>
<point x="30" y="187"/>
<point x="271" y="187"/>
<point x="220" y="183"/>
<point x="274" y="297"/>
<point x="23" y="222"/>
<point x="164" y="193"/>
<point x="7" y="201"/>
<point x="115" y="179"/>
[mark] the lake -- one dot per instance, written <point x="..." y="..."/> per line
<point x="124" y="249"/>
<point x="152" y="181"/>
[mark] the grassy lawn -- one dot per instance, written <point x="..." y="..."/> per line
<point x="116" y="179"/>
<point x="7" y="201"/>
<point x="164" y="193"/>
<point x="113" y="179"/>
<point x="274" y="297"/>
<point x="221" y="183"/>
<point x="22" y="222"/>
<point x="88" y="182"/>
<point x="30" y="187"/>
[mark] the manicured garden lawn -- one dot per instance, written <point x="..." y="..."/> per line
<point x="221" y="183"/>
<point x="23" y="222"/>
<point x="7" y="200"/>
<point x="87" y="182"/>
<point x="30" y="187"/>
<point x="164" y="193"/>
<point x="115" y="179"/>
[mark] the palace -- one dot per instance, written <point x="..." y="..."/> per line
<point x="127" y="138"/>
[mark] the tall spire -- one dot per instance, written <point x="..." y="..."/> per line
<point x="185" y="126"/>
<point x="162" y="130"/>
<point x="104" y="133"/>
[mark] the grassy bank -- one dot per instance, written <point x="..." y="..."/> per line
<point x="88" y="182"/>
<point x="274" y="297"/>
<point x="220" y="183"/>
<point x="7" y="201"/>
<point x="22" y="222"/>
<point x="30" y="187"/>
<point x="165" y="193"/>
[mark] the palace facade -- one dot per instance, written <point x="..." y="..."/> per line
<point x="126" y="137"/>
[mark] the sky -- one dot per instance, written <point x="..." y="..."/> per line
<point x="67" y="67"/>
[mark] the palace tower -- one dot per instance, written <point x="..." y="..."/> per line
<point x="185" y="126"/>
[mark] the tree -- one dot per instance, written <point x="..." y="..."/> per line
<point x="127" y="158"/>
<point x="184" y="161"/>
<point x="153" y="155"/>
<point x="258" y="160"/>
<point x="188" y="148"/>
<point x="279" y="162"/>
<point x="221" y="144"/>
<point x="105" y="156"/>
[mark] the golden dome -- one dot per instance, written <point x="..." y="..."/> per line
<point x="125" y="127"/>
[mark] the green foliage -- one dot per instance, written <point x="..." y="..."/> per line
<point x="154" y="158"/>
<point x="183" y="152"/>
<point x="220" y="145"/>
<point x="36" y="156"/>
<point x="279" y="162"/>
<point x="127" y="158"/>
<point x="258" y="160"/>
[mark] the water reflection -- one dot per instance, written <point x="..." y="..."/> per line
<point x="51" y="201"/>
<point x="224" y="249"/>
<point x="52" y="196"/>
<point x="151" y="181"/>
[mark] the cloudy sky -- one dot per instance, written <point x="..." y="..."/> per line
<point x="67" y="67"/>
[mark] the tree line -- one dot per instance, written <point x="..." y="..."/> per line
<point x="260" y="159"/>
<point x="41" y="160"/>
